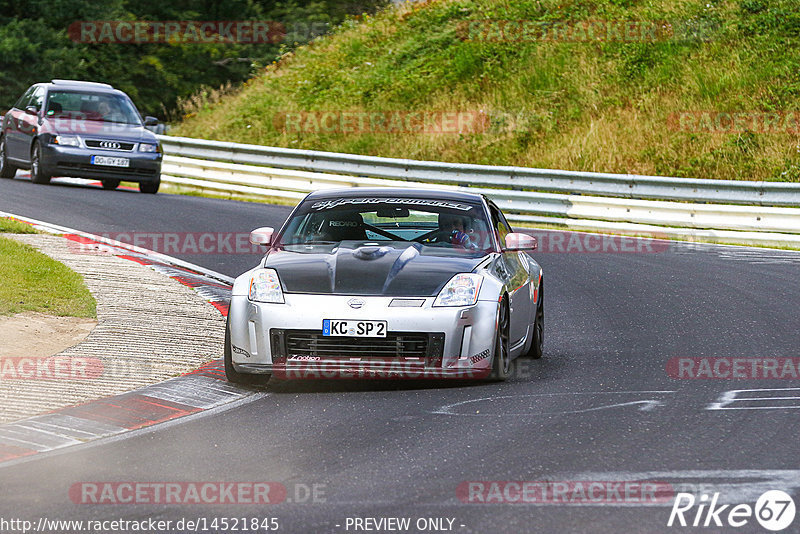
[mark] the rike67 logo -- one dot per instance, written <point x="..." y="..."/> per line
<point x="774" y="510"/>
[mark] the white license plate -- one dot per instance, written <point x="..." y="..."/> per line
<point x="352" y="328"/>
<point x="111" y="162"/>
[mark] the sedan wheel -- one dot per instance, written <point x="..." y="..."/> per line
<point x="37" y="176"/>
<point x="6" y="169"/>
<point x="150" y="188"/>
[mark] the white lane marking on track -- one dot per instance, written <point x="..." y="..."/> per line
<point x="192" y="390"/>
<point x="195" y="391"/>
<point x="646" y="404"/>
<point x="127" y="434"/>
<point x="729" y="398"/>
<point x="15" y="436"/>
<point x="751" y="255"/>
<point x="69" y="426"/>
<point x="75" y="181"/>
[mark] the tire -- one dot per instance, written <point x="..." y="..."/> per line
<point x="537" y="345"/>
<point x="150" y="188"/>
<point x="231" y="374"/>
<point x="6" y="169"/>
<point x="501" y="363"/>
<point x="110" y="184"/>
<point x="37" y="175"/>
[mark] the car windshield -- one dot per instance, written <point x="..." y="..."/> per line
<point x="440" y="223"/>
<point x="99" y="107"/>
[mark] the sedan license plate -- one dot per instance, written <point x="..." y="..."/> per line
<point x="352" y="328"/>
<point x="110" y="162"/>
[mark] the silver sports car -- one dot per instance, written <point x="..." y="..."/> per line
<point x="387" y="283"/>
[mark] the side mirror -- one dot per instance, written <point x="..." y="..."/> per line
<point x="519" y="241"/>
<point x="262" y="236"/>
<point x="150" y="121"/>
<point x="32" y="110"/>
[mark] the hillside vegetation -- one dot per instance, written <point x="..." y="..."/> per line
<point x="41" y="40"/>
<point x="641" y="105"/>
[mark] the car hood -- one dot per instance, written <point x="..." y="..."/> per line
<point x="352" y="268"/>
<point x="102" y="130"/>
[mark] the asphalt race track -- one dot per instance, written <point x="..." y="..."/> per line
<point x="600" y="406"/>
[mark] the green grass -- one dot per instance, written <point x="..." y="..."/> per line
<point x="34" y="282"/>
<point x="600" y="106"/>
<point x="15" y="227"/>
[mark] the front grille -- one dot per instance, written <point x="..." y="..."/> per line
<point x="122" y="171"/>
<point x="93" y="143"/>
<point x="294" y="343"/>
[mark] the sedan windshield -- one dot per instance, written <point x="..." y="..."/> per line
<point x="432" y="222"/>
<point x="99" y="107"/>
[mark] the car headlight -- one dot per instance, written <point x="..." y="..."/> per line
<point x="266" y="287"/>
<point x="147" y="147"/>
<point x="66" y="140"/>
<point x="461" y="290"/>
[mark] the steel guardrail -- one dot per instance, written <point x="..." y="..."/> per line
<point x="677" y="208"/>
<point x="633" y="186"/>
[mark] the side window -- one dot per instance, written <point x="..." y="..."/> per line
<point x="501" y="226"/>
<point x="22" y="103"/>
<point x="504" y="224"/>
<point x="38" y="98"/>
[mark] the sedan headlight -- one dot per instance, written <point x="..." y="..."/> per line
<point x="266" y="287"/>
<point x="66" y="140"/>
<point x="147" y="147"/>
<point x="461" y="290"/>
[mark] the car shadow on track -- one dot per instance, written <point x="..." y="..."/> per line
<point x="79" y="183"/>
<point x="323" y="385"/>
<point x="524" y="370"/>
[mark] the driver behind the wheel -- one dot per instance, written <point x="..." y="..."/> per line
<point x="455" y="227"/>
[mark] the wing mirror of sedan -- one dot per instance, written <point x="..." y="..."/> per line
<point x="519" y="241"/>
<point x="150" y="121"/>
<point x="262" y="236"/>
<point x="32" y="110"/>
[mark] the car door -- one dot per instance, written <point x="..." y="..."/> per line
<point x="13" y="121"/>
<point x="515" y="275"/>
<point x="28" y="124"/>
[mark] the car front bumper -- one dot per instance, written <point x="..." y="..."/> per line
<point x="422" y="342"/>
<point x="76" y="162"/>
